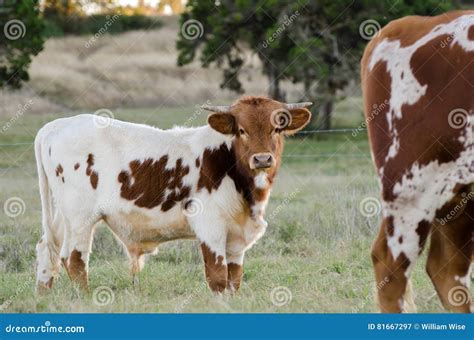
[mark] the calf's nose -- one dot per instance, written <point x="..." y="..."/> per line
<point x="262" y="160"/>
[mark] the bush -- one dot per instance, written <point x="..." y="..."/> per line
<point x="21" y="38"/>
<point x="51" y="29"/>
<point x="113" y="24"/>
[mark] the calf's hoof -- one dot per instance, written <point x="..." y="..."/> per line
<point x="44" y="287"/>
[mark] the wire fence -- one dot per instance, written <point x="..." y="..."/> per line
<point x="306" y="132"/>
<point x="358" y="129"/>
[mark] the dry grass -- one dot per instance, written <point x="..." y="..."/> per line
<point x="317" y="244"/>
<point x="134" y="69"/>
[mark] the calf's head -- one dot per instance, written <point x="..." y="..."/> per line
<point x="259" y="125"/>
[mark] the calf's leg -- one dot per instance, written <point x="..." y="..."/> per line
<point x="235" y="272"/>
<point x="76" y="250"/>
<point x="137" y="262"/>
<point x="215" y="267"/>
<point x="47" y="250"/>
<point x="235" y="261"/>
<point x="212" y="235"/>
<point x="137" y="253"/>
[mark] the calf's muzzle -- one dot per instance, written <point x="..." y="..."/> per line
<point x="262" y="160"/>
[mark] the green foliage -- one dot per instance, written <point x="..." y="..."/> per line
<point x="229" y="27"/>
<point x="20" y="39"/>
<point x="328" y="41"/>
<point x="67" y="17"/>
<point x="330" y="37"/>
<point x="313" y="42"/>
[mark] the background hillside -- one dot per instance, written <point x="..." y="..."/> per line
<point x="132" y="69"/>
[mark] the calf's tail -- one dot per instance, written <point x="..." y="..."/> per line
<point x="45" y="195"/>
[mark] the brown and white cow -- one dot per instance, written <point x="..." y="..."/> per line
<point x="422" y="147"/>
<point x="151" y="186"/>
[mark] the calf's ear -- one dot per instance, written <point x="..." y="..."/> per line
<point x="299" y="119"/>
<point x="223" y="123"/>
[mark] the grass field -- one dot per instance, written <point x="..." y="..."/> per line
<point x="317" y="245"/>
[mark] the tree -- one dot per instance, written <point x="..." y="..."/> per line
<point x="20" y="39"/>
<point x="225" y="29"/>
<point x="61" y="8"/>
<point x="330" y="37"/>
<point x="314" y="42"/>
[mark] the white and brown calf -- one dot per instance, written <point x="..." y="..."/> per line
<point x="151" y="186"/>
<point x="423" y="149"/>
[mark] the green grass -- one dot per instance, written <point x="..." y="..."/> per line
<point x="317" y="244"/>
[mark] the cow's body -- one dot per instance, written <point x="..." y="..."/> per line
<point x="150" y="186"/>
<point x="418" y="82"/>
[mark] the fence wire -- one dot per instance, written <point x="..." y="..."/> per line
<point x="307" y="132"/>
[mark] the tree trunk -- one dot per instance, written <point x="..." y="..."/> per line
<point x="274" y="84"/>
<point x="327" y="114"/>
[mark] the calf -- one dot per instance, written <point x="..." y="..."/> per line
<point x="418" y="82"/>
<point x="151" y="186"/>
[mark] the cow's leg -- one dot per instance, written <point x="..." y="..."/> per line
<point x="392" y="274"/>
<point x="76" y="250"/>
<point x="47" y="250"/>
<point x="449" y="261"/>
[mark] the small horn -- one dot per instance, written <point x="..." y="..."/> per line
<point x="294" y="106"/>
<point x="216" y="108"/>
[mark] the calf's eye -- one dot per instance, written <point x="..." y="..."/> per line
<point x="241" y="131"/>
